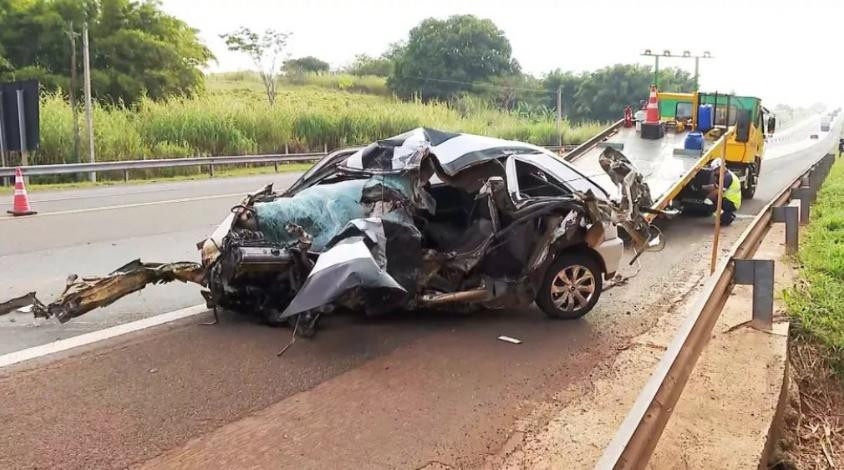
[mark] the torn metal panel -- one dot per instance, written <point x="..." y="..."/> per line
<point x="85" y="294"/>
<point x="635" y="196"/>
<point x="347" y="265"/>
<point x="18" y="302"/>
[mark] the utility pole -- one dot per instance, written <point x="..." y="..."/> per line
<point x="71" y="35"/>
<point x="685" y="55"/>
<point x="560" y="117"/>
<point x="86" y="59"/>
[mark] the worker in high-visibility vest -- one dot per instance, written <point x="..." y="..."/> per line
<point x="732" y="193"/>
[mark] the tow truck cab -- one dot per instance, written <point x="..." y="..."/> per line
<point x="714" y="113"/>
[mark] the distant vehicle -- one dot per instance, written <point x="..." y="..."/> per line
<point x="825" y="123"/>
<point x="813" y="136"/>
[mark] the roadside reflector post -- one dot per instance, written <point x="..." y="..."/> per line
<point x="790" y="215"/>
<point x="758" y="273"/>
<point x="814" y="184"/>
<point x="828" y="160"/>
<point x="804" y="195"/>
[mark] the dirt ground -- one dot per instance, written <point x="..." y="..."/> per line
<point x="813" y="435"/>
<point x="724" y="416"/>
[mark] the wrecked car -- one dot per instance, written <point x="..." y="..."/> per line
<point x="426" y="219"/>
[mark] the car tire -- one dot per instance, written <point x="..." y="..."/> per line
<point x="572" y="273"/>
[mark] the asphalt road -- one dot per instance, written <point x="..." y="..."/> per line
<point x="397" y="391"/>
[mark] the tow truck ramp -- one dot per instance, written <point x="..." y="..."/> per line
<point x="666" y="166"/>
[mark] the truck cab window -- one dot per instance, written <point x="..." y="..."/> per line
<point x="683" y="111"/>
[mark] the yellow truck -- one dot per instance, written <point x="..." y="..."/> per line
<point x="673" y="170"/>
<point x="713" y="113"/>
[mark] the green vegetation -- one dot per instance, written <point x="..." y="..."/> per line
<point x="136" y="49"/>
<point x="309" y="64"/>
<point x="443" y="58"/>
<point x="367" y="65"/>
<point x="456" y="74"/>
<point x="233" y="118"/>
<point x="370" y="84"/>
<point x="817" y="301"/>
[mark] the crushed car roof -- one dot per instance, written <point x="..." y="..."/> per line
<point x="453" y="151"/>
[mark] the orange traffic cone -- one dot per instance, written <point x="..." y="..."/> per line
<point x="652" y="109"/>
<point x="21" y="202"/>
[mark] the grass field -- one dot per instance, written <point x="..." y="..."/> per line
<point x="817" y="300"/>
<point x="232" y="117"/>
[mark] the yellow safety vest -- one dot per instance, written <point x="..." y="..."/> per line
<point x="733" y="192"/>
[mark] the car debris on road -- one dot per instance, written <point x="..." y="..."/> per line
<point x="509" y="339"/>
<point x="426" y="219"/>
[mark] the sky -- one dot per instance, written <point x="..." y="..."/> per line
<point x="784" y="51"/>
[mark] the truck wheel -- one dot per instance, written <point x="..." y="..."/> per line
<point x="571" y="286"/>
<point x="749" y="189"/>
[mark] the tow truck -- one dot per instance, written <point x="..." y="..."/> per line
<point x="718" y="125"/>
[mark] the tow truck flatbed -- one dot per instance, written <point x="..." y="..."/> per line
<point x="664" y="163"/>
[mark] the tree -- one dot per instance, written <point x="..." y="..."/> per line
<point x="602" y="95"/>
<point x="368" y="65"/>
<point x="265" y="51"/>
<point x="309" y="64"/>
<point x="443" y="58"/>
<point x="136" y="49"/>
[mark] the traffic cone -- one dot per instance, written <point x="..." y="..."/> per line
<point x="20" y="206"/>
<point x="652" y="109"/>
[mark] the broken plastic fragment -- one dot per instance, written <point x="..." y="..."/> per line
<point x="509" y="339"/>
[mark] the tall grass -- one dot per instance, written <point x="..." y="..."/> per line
<point x="233" y="118"/>
<point x="817" y="301"/>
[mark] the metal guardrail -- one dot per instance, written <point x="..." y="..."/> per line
<point x="581" y="149"/>
<point x="125" y="166"/>
<point x="129" y="165"/>
<point x="636" y="439"/>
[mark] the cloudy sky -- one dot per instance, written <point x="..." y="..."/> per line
<point x="785" y="51"/>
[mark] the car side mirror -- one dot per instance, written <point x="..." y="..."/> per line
<point x="772" y="124"/>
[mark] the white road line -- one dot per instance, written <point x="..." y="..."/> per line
<point x="124" y="206"/>
<point x="100" y="335"/>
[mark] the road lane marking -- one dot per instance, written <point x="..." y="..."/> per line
<point x="124" y="206"/>
<point x="96" y="336"/>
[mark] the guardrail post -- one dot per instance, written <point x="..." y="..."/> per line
<point x="276" y="166"/>
<point x="760" y="274"/>
<point x="789" y="214"/>
<point x="211" y="170"/>
<point x="125" y="176"/>
<point x="804" y="194"/>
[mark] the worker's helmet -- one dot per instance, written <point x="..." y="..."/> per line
<point x="715" y="163"/>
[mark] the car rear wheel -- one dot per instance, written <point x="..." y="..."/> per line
<point x="571" y="286"/>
